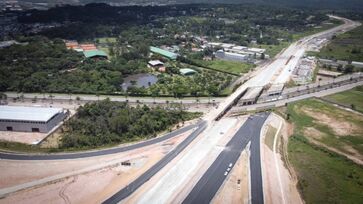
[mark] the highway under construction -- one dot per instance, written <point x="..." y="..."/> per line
<point x="194" y="170"/>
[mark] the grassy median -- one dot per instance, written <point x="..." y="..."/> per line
<point x="352" y="98"/>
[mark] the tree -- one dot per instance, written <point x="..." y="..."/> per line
<point x="263" y="56"/>
<point x="348" y="68"/>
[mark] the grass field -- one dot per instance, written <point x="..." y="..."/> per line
<point x="270" y="136"/>
<point x="325" y="176"/>
<point x="229" y="66"/>
<point x="348" y="46"/>
<point x="311" y="31"/>
<point x="273" y="50"/>
<point x="352" y="97"/>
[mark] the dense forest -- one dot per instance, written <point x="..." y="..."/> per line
<point x="106" y="122"/>
<point x="100" y="20"/>
<point x="44" y="65"/>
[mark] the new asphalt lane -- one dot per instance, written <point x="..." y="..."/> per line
<point x="206" y="188"/>
<point x="15" y="156"/>
<point x="133" y="186"/>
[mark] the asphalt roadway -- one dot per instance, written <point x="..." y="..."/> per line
<point x="206" y="188"/>
<point x="133" y="186"/>
<point x="14" y="156"/>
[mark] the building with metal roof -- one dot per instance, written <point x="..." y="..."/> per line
<point x="154" y="63"/>
<point x="30" y="119"/>
<point x="187" y="71"/>
<point x="95" y="54"/>
<point x="229" y="56"/>
<point x="164" y="53"/>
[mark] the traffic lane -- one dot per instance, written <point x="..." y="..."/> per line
<point x="133" y="186"/>
<point x="209" y="184"/>
<point x="16" y="156"/>
<point x="257" y="196"/>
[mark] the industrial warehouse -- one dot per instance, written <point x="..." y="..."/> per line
<point x="30" y="119"/>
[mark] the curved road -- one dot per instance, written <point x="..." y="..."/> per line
<point x="11" y="156"/>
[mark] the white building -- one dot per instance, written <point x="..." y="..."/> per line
<point x="220" y="54"/>
<point x="30" y="119"/>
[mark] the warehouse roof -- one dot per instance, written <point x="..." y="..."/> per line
<point x="94" y="53"/>
<point x="187" y="71"/>
<point x="27" y="113"/>
<point x="155" y="62"/>
<point x="164" y="53"/>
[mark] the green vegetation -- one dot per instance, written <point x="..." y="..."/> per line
<point x="332" y="126"/>
<point x="45" y="65"/>
<point x="20" y="147"/>
<point x="347" y="46"/>
<point x="318" y="28"/>
<point x="352" y="98"/>
<point x="273" y="50"/>
<point x="106" y="40"/>
<point x="204" y="83"/>
<point x="106" y="123"/>
<point x="324" y="176"/>
<point x="227" y="66"/>
<point x="270" y="137"/>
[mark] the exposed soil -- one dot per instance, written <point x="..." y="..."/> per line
<point x="313" y="133"/>
<point x="236" y="187"/>
<point x="339" y="126"/>
<point x="90" y="187"/>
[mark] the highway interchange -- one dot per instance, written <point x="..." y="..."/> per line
<point x="277" y="71"/>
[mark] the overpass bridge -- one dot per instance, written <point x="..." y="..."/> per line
<point x="301" y="93"/>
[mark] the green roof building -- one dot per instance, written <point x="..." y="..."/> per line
<point x="95" y="54"/>
<point x="164" y="53"/>
<point x="187" y="71"/>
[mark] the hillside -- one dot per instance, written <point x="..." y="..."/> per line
<point x="356" y="5"/>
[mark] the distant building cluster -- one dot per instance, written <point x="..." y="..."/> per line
<point x="89" y="49"/>
<point x="12" y="5"/>
<point x="303" y="73"/>
<point x="237" y="53"/>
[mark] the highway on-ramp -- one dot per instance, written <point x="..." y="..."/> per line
<point x="206" y="188"/>
<point x="17" y="156"/>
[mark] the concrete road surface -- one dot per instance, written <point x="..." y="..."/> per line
<point x="206" y="188"/>
<point x="133" y="186"/>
